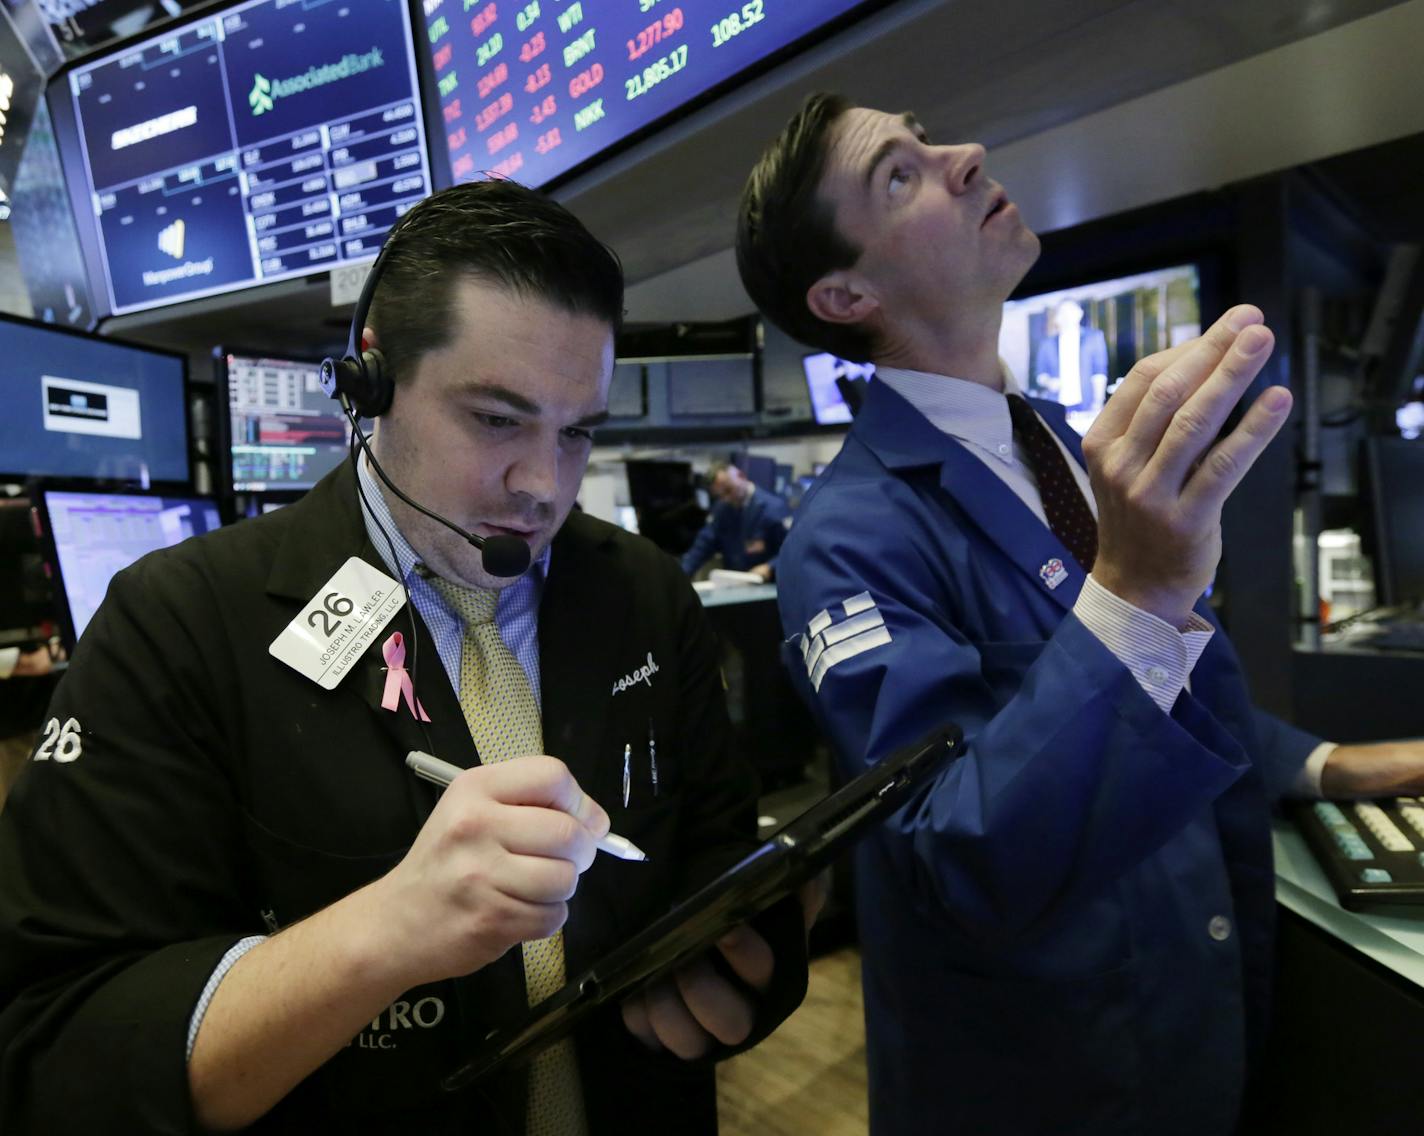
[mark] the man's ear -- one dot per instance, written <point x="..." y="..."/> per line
<point x="368" y="338"/>
<point x="841" y="297"/>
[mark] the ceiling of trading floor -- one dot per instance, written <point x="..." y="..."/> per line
<point x="994" y="72"/>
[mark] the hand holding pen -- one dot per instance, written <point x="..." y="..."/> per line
<point x="430" y="768"/>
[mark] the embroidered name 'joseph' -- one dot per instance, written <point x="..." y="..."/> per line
<point x="643" y="674"/>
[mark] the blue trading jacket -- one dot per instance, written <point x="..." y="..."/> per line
<point x="1070" y="929"/>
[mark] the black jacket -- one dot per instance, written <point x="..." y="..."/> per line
<point x="217" y="792"/>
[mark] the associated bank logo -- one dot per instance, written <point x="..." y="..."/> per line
<point x="260" y="97"/>
<point x="171" y="240"/>
<point x="265" y="92"/>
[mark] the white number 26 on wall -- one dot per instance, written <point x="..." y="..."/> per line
<point x="62" y="743"/>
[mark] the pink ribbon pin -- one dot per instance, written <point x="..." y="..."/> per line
<point x="398" y="678"/>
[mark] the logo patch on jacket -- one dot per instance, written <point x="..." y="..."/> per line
<point x="856" y="627"/>
<point x="1053" y="573"/>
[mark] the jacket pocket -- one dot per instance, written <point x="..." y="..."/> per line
<point x="291" y="881"/>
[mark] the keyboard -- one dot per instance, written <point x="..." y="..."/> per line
<point x="1372" y="851"/>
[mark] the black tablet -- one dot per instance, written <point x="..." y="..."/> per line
<point x="784" y="862"/>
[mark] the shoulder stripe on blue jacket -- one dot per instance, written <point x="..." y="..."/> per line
<point x="828" y="642"/>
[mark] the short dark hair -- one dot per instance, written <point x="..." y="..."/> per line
<point x="498" y="232"/>
<point x="786" y="232"/>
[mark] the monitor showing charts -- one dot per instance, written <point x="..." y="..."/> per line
<point x="272" y="139"/>
<point x="83" y="406"/>
<point x="1074" y="346"/>
<point x="531" y="89"/>
<point x="283" y="432"/>
<point x="96" y="535"/>
<point x="825" y="378"/>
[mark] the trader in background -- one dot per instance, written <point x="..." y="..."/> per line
<point x="1070" y="930"/>
<point x="747" y="526"/>
<point x="224" y="899"/>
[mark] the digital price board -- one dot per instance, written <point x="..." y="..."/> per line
<point x="531" y="89"/>
<point x="269" y="140"/>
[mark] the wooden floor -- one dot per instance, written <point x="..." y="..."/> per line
<point x="808" y="1078"/>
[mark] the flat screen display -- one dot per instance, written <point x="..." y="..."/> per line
<point x="529" y="90"/>
<point x="97" y="535"/>
<point x="284" y="432"/>
<point x="828" y="404"/>
<point x="82" y="406"/>
<point x="1074" y="346"/>
<point x="711" y="385"/>
<point x="271" y="140"/>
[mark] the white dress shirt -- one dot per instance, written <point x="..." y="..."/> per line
<point x="1161" y="657"/>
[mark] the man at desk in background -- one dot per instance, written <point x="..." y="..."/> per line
<point x="224" y="900"/>
<point x="747" y="526"/>
<point x="1070" y="930"/>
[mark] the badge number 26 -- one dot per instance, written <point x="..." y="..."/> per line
<point x="334" y="608"/>
<point x="62" y="743"/>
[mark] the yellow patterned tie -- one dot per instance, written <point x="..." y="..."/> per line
<point x="503" y="718"/>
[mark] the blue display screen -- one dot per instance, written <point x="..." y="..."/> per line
<point x="529" y="89"/>
<point x="82" y="406"/>
<point x="97" y="535"/>
<point x="272" y="140"/>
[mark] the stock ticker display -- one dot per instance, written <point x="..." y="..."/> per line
<point x="270" y="140"/>
<point x="529" y="89"/>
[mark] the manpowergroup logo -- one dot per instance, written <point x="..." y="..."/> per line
<point x="265" y="92"/>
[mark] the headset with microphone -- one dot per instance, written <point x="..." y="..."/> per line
<point x="362" y="383"/>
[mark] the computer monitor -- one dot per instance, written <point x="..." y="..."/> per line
<point x="534" y="93"/>
<point x="1074" y="345"/>
<point x="825" y="377"/>
<point x="1394" y="472"/>
<point x="85" y="406"/>
<point x="262" y="141"/>
<point x="281" y="433"/>
<point x="93" y="535"/>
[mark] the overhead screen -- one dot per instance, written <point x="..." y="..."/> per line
<point x="267" y="141"/>
<point x="531" y="90"/>
<point x="81" y="406"/>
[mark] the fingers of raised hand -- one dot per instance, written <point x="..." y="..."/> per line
<point x="1194" y="425"/>
<point x="1121" y="409"/>
<point x="1228" y="461"/>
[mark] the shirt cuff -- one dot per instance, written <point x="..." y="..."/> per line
<point x="225" y="964"/>
<point x="1307" y="781"/>
<point x="9" y="660"/>
<point x="1160" y="656"/>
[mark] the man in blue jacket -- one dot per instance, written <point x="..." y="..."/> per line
<point x="1070" y="929"/>
<point x="747" y="525"/>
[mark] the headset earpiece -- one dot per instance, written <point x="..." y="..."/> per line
<point x="361" y="375"/>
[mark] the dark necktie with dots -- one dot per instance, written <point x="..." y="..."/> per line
<point x="1068" y="513"/>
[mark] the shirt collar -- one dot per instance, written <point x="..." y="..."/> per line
<point x="380" y="524"/>
<point x="961" y="408"/>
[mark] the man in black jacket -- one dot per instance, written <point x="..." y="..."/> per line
<point x="224" y="901"/>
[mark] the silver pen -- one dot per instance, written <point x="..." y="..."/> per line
<point x="430" y="768"/>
